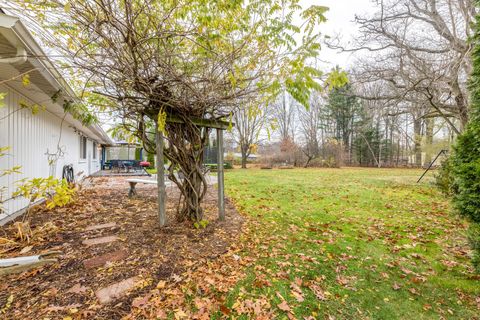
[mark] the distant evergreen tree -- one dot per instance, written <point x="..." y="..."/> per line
<point x="138" y="154"/>
<point x="343" y="107"/>
<point x="466" y="157"/>
<point x="343" y="110"/>
<point x="151" y="160"/>
<point x="366" y="142"/>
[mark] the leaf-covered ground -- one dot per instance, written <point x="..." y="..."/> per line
<point x="314" y="244"/>
<point x="352" y="243"/>
<point x="140" y="251"/>
<point x="331" y="244"/>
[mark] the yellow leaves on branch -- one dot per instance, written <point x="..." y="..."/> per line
<point x="67" y="7"/>
<point x="336" y="79"/>
<point x="2" y="99"/>
<point x="162" y="121"/>
<point x="34" y="108"/>
<point x="58" y="193"/>
<point x="26" y="80"/>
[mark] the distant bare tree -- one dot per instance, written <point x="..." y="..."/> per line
<point x="310" y="121"/>
<point x="164" y="69"/>
<point x="284" y="115"/>
<point x="248" y="124"/>
<point x="421" y="54"/>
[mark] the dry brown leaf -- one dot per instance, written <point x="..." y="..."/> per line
<point x="396" y="286"/>
<point x="284" y="306"/>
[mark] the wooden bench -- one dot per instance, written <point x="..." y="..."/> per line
<point x="168" y="182"/>
<point x="133" y="183"/>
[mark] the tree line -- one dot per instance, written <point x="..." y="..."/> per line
<point x="407" y="98"/>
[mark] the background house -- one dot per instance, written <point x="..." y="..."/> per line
<point x="44" y="142"/>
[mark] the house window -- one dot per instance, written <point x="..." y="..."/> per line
<point x="83" y="148"/>
<point x="95" y="150"/>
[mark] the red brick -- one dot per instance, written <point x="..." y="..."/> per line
<point x="103" y="259"/>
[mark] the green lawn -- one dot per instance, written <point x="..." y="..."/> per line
<point x="351" y="243"/>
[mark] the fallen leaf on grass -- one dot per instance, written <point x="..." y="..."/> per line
<point x="319" y="293"/>
<point x="427" y="307"/>
<point x="225" y="310"/>
<point x="296" y="290"/>
<point x="418" y="279"/>
<point x="298" y="296"/>
<point x="284" y="306"/>
<point x="396" y="286"/>
<point x="413" y="291"/>
<point x="342" y="280"/>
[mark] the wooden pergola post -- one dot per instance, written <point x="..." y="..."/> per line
<point x="220" y="126"/>
<point x="160" y="178"/>
<point x="221" y="185"/>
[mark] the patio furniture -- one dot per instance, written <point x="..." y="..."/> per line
<point x="133" y="182"/>
<point x="116" y="165"/>
<point x="144" y="164"/>
<point x="126" y="166"/>
<point x="107" y="164"/>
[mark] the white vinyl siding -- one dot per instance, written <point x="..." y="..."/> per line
<point x="30" y="137"/>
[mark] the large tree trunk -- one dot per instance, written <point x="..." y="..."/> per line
<point x="185" y="150"/>
<point x="244" y="162"/>
<point x="429" y="126"/>
<point x="244" y="158"/>
<point x="417" y="135"/>
<point x="308" y="161"/>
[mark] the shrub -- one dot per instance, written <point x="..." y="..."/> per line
<point x="474" y="239"/>
<point x="58" y="193"/>
<point x="151" y="159"/>
<point x="466" y="156"/>
<point x="213" y="166"/>
<point x="138" y="154"/>
<point x="202" y="224"/>
<point x="444" y="179"/>
<point x="466" y="170"/>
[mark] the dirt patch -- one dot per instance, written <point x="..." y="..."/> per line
<point x="153" y="253"/>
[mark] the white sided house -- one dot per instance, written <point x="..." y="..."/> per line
<point x="42" y="143"/>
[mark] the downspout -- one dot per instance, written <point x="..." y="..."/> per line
<point x="20" y="58"/>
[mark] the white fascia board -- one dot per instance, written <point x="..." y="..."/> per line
<point x="16" y="33"/>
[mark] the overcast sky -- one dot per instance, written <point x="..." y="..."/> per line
<point x="340" y="22"/>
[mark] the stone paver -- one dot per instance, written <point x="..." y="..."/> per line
<point x="103" y="259"/>
<point x="115" y="291"/>
<point x="94" y="241"/>
<point x="101" y="226"/>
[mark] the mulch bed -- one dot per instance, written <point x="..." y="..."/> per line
<point x="143" y="250"/>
